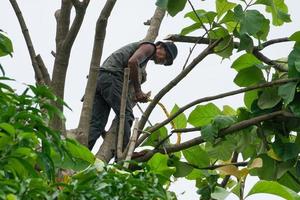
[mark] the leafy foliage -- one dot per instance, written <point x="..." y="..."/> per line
<point x="270" y="147"/>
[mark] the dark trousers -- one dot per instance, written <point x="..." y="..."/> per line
<point x="108" y="96"/>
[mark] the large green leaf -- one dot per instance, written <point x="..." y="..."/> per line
<point x="246" y="43"/>
<point x="159" y="165"/>
<point x="209" y="133"/>
<point x="222" y="121"/>
<point x="225" y="47"/>
<point x="268" y="170"/>
<point x="156" y="137"/>
<point x="219" y="193"/>
<point x="6" y="47"/>
<point x="269" y="98"/>
<point x="180" y="121"/>
<point x="201" y="16"/>
<point x="79" y="151"/>
<point x="191" y="28"/>
<point x="245" y="61"/>
<point x="203" y="114"/>
<point x="290" y="180"/>
<point x="249" y="97"/>
<point x="278" y="9"/>
<point x="221" y="151"/>
<point x="249" y="76"/>
<point x="287" y="92"/>
<point x="295" y="36"/>
<point x="182" y="169"/>
<point x="286" y="151"/>
<point x="172" y="6"/>
<point x="293" y="62"/>
<point x="222" y="6"/>
<point x="271" y="187"/>
<point x="197" y="156"/>
<point x="252" y="22"/>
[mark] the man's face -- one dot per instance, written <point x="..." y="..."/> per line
<point x="160" y="55"/>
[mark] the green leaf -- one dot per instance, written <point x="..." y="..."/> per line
<point x="6" y="47"/>
<point x="255" y="24"/>
<point x="218" y="33"/>
<point x="156" y="137"/>
<point x="249" y="76"/>
<point x="279" y="12"/>
<point x="225" y="47"/>
<point x="203" y="114"/>
<point x="209" y="133"/>
<point x="269" y="98"/>
<point x="201" y="16"/>
<point x="79" y="151"/>
<point x="295" y="36"/>
<point x="246" y="43"/>
<point x="286" y="151"/>
<point x="222" y="121"/>
<point x="229" y="111"/>
<point x="190" y="28"/>
<point x="222" y="6"/>
<point x="271" y="187"/>
<point x="268" y="170"/>
<point x="175" y="6"/>
<point x="222" y="151"/>
<point x="290" y="180"/>
<point x="287" y="92"/>
<point x="219" y="193"/>
<point x="249" y="97"/>
<point x="196" y="156"/>
<point x="293" y="58"/>
<point x="8" y="128"/>
<point x="162" y="4"/>
<point x="182" y="169"/>
<point x="180" y="121"/>
<point x="158" y="165"/>
<point x="245" y="61"/>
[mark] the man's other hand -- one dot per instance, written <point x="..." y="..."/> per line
<point x="142" y="97"/>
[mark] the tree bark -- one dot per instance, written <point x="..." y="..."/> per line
<point x="64" y="41"/>
<point x="100" y="32"/>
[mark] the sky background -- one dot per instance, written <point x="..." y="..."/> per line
<point x="212" y="76"/>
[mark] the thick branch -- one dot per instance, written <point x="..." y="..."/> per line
<point x="219" y="96"/>
<point x="172" y="84"/>
<point x="233" y="128"/>
<point x="63" y="22"/>
<point x="155" y="23"/>
<point x="256" y="51"/>
<point x="100" y="33"/>
<point x="37" y="71"/>
<point x="76" y="24"/>
<point x="44" y="71"/>
<point x="262" y="57"/>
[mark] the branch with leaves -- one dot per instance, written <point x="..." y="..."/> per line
<point x="222" y="133"/>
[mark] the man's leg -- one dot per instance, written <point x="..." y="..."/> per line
<point x="99" y="117"/>
<point x="114" y="101"/>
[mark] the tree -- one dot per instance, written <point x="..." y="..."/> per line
<point x="269" y="119"/>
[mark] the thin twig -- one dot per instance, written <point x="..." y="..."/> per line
<point x="132" y="142"/>
<point x="37" y="71"/>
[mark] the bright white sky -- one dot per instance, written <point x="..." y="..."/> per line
<point x="210" y="77"/>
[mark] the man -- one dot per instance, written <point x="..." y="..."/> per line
<point x="110" y="82"/>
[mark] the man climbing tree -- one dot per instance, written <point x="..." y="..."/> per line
<point x="110" y="82"/>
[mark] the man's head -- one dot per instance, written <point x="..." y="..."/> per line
<point x="166" y="52"/>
